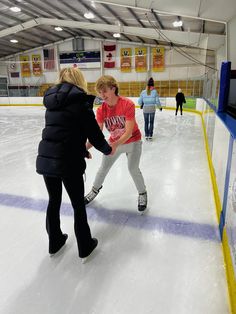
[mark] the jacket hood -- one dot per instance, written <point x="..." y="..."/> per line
<point x="56" y="97"/>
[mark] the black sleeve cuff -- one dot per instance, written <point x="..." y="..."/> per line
<point x="106" y="149"/>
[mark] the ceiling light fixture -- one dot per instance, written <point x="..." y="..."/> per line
<point x="89" y="15"/>
<point x="58" y="29"/>
<point x="177" y="23"/>
<point x="116" y="35"/>
<point x="14" y="41"/>
<point x="15" y="9"/>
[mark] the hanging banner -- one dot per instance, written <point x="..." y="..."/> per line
<point x="109" y="56"/>
<point x="13" y="68"/>
<point x="36" y="64"/>
<point x="49" y="59"/>
<point x="25" y="66"/>
<point x="125" y="59"/>
<point x="141" y="59"/>
<point x="80" y="59"/>
<point x="158" y="59"/>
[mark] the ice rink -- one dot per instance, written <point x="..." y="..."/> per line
<point x="168" y="261"/>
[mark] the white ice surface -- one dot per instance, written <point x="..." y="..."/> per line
<point x="158" y="263"/>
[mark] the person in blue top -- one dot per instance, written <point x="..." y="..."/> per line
<point x="148" y="101"/>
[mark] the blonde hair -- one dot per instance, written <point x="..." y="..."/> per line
<point x="73" y="76"/>
<point x="106" y="81"/>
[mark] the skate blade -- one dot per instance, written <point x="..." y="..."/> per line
<point x="141" y="213"/>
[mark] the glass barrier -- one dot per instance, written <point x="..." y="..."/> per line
<point x="211" y="85"/>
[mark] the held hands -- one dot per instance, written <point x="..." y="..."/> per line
<point x="88" y="155"/>
<point x="114" y="147"/>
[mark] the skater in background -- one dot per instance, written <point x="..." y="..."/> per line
<point x="180" y="99"/>
<point x="117" y="114"/>
<point x="69" y="122"/>
<point x="148" y="101"/>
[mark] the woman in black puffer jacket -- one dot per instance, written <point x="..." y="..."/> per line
<point x="69" y="122"/>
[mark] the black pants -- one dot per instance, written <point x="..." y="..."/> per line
<point x="177" y="107"/>
<point x="74" y="186"/>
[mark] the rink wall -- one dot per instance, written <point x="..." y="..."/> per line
<point x="220" y="141"/>
<point x="21" y="101"/>
<point x="37" y="101"/>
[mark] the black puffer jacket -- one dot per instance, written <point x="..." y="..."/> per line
<point x="180" y="99"/>
<point x="69" y="122"/>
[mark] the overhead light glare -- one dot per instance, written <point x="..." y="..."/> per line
<point x="89" y="15"/>
<point x="58" y="28"/>
<point x="116" y="35"/>
<point x="177" y="23"/>
<point x="15" y="9"/>
<point x="14" y="41"/>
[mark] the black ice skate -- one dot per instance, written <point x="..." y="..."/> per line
<point x="94" y="245"/>
<point x="56" y="249"/>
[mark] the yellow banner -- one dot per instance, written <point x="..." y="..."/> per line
<point x="25" y="66"/>
<point x="141" y="59"/>
<point x="158" y="59"/>
<point x="125" y="59"/>
<point x="37" y="65"/>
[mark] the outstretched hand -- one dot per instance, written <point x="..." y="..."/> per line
<point x="114" y="147"/>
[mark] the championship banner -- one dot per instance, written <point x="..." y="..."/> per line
<point x="141" y="59"/>
<point x="109" y="56"/>
<point x="25" y="66"/>
<point x="158" y="59"/>
<point x="125" y="59"/>
<point x="36" y="64"/>
<point x="80" y="59"/>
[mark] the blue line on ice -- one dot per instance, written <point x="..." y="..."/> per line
<point x="146" y="222"/>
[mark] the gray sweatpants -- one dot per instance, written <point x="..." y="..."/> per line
<point x="133" y="152"/>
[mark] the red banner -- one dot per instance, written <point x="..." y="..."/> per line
<point x="109" y="56"/>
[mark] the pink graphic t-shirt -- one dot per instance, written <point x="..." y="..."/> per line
<point x="114" y="119"/>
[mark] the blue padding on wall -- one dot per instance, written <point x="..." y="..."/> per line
<point x="213" y="107"/>
<point x="224" y="86"/>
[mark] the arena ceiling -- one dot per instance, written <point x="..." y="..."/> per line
<point x="139" y="21"/>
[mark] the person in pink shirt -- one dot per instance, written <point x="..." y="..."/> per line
<point x="117" y="114"/>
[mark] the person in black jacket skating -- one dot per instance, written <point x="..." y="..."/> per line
<point x="180" y="99"/>
<point x="69" y="122"/>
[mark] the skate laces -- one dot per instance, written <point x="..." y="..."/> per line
<point x="92" y="194"/>
<point x="142" y="199"/>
